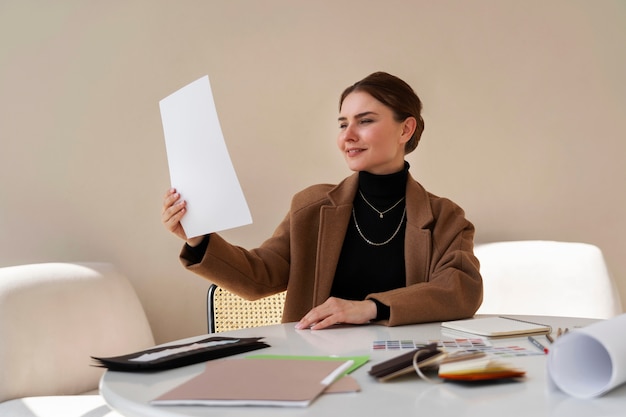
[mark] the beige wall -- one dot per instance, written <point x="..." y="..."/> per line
<point x="524" y="109"/>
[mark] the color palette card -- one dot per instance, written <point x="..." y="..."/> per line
<point x="473" y="344"/>
<point x="396" y="344"/>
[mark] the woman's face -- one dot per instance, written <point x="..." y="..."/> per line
<point x="369" y="137"/>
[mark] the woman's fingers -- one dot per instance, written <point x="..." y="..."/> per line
<point x="173" y="210"/>
<point x="170" y="198"/>
<point x="336" y="310"/>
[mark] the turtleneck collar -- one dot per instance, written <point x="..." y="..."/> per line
<point x="384" y="186"/>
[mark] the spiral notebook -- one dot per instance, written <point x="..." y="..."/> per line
<point x="499" y="326"/>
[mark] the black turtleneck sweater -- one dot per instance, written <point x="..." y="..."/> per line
<point x="364" y="268"/>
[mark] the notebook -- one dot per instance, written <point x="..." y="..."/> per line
<point x="499" y="326"/>
<point x="403" y="364"/>
<point x="257" y="381"/>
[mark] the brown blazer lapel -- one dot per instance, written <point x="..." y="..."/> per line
<point x="416" y="254"/>
<point x="334" y="220"/>
<point x="333" y="225"/>
<point x="417" y="240"/>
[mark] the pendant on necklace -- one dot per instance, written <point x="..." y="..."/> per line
<point x="381" y="215"/>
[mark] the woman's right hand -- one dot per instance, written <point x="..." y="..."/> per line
<point x="173" y="210"/>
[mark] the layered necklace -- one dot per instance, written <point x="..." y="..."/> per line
<point x="380" y="215"/>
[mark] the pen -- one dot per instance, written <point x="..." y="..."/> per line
<point x="334" y="375"/>
<point x="538" y="345"/>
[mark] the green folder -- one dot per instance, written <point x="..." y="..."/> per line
<point x="358" y="360"/>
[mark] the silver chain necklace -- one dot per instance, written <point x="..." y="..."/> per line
<point x="380" y="213"/>
<point x="386" y="241"/>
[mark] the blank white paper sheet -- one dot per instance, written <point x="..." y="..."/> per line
<point x="200" y="167"/>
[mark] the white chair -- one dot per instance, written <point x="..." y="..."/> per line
<point x="548" y="278"/>
<point x="57" y="406"/>
<point x="53" y="318"/>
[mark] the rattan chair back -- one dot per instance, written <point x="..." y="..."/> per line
<point x="227" y="311"/>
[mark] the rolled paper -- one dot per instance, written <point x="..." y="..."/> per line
<point x="590" y="361"/>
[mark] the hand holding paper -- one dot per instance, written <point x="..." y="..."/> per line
<point x="199" y="164"/>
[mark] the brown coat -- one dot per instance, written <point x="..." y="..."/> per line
<point x="443" y="281"/>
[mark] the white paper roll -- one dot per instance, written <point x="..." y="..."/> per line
<point x="591" y="361"/>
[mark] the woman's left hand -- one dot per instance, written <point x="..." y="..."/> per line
<point x="337" y="310"/>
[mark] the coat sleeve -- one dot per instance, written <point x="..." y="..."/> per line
<point x="452" y="288"/>
<point x="251" y="274"/>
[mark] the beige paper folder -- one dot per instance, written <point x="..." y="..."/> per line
<point x="249" y="381"/>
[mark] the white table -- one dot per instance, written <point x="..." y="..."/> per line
<point x="130" y="393"/>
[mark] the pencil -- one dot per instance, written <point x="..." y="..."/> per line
<point x="538" y="345"/>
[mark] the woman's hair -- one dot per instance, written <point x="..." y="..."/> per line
<point x="395" y="94"/>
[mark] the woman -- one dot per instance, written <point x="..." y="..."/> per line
<point x="375" y="247"/>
